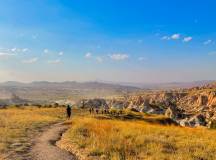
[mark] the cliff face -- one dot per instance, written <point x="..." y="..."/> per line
<point x="188" y="107"/>
<point x="206" y="98"/>
<point x="212" y="99"/>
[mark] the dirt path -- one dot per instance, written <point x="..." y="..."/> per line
<point x="45" y="148"/>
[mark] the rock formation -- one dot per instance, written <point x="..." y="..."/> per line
<point x="188" y="107"/>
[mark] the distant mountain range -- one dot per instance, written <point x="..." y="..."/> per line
<point x="13" y="92"/>
<point x="44" y="91"/>
<point x="175" y="85"/>
<point x="164" y="86"/>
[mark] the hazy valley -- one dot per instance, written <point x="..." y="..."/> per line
<point x="107" y="80"/>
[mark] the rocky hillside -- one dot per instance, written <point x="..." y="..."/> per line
<point x="188" y="107"/>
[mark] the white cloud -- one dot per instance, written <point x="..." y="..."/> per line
<point x="207" y="42"/>
<point x="45" y="50"/>
<point x="172" y="37"/>
<point x="30" y="61"/>
<point x="61" y="53"/>
<point x="165" y="38"/>
<point x="6" y="55"/>
<point x="187" y="39"/>
<point x="99" y="59"/>
<point x="17" y="50"/>
<point x="56" y="61"/>
<point x="14" y="49"/>
<point x="119" y="57"/>
<point x="142" y="59"/>
<point x="88" y="55"/>
<point x="25" y="49"/>
<point x="175" y="36"/>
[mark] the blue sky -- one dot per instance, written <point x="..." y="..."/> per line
<point x="120" y="41"/>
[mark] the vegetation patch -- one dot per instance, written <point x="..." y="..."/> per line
<point x="117" y="138"/>
<point x="19" y="125"/>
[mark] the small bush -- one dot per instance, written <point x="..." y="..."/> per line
<point x="96" y="152"/>
<point x="212" y="125"/>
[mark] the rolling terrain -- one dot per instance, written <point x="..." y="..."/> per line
<point x="138" y="125"/>
<point x="46" y="92"/>
<point x="188" y="107"/>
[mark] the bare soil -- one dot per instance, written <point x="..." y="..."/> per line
<point x="45" y="148"/>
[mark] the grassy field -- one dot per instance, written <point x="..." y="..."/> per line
<point x="138" y="138"/>
<point x="18" y="126"/>
<point x="128" y="136"/>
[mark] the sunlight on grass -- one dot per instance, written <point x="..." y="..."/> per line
<point x="17" y="125"/>
<point x="114" y="139"/>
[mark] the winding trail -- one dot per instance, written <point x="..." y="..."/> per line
<point x="45" y="145"/>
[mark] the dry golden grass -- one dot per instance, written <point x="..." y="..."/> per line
<point x="114" y="139"/>
<point x="18" y="125"/>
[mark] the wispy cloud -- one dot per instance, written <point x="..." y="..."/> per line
<point x="99" y="59"/>
<point x="88" y="55"/>
<point x="9" y="52"/>
<point x="18" y="50"/>
<point x="165" y="38"/>
<point x="207" y="42"/>
<point x="14" y="49"/>
<point x="30" y="61"/>
<point x="187" y="39"/>
<point x="5" y="55"/>
<point x="25" y="49"/>
<point x="61" y="53"/>
<point x="172" y="37"/>
<point x="175" y="36"/>
<point x="56" y="61"/>
<point x="45" y="51"/>
<point x="142" y="59"/>
<point x="119" y="57"/>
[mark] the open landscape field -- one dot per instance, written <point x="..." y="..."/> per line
<point x="19" y="126"/>
<point x="107" y="80"/>
<point x="137" y="136"/>
<point x="126" y="136"/>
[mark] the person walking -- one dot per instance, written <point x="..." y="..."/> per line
<point x="68" y="110"/>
